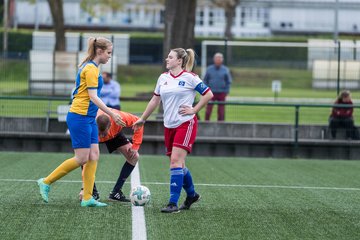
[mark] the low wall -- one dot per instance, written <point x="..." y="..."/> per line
<point x="213" y="139"/>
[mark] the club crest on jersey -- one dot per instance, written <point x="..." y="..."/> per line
<point x="181" y="83"/>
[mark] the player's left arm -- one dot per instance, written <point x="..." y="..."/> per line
<point x="206" y="96"/>
<point x="204" y="99"/>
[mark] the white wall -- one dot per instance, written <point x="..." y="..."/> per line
<point x="302" y="15"/>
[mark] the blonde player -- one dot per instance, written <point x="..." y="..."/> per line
<point x="81" y="122"/>
<point x="177" y="89"/>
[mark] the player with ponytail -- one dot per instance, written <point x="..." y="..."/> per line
<point x="177" y="89"/>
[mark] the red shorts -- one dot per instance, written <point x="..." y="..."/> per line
<point x="182" y="137"/>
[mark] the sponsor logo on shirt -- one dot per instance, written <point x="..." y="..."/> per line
<point x="181" y="83"/>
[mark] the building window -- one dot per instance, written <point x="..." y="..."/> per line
<point x="162" y="16"/>
<point x="266" y="14"/>
<point x="128" y="19"/>
<point x="250" y="12"/>
<point x="243" y="13"/>
<point x="199" y="18"/>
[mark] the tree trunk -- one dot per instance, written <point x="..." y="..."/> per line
<point x="230" y="15"/>
<point x="179" y="27"/>
<point x="179" y="24"/>
<point x="57" y="13"/>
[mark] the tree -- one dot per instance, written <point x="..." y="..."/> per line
<point x="179" y="24"/>
<point x="105" y="5"/>
<point x="230" y="10"/>
<point x="57" y="13"/>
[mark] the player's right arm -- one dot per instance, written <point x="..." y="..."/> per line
<point x="152" y="105"/>
<point x="97" y="101"/>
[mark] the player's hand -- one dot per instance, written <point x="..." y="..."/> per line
<point x="186" y="110"/>
<point x="138" y="124"/>
<point x="118" y="120"/>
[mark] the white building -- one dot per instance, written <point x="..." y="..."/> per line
<point x="253" y="18"/>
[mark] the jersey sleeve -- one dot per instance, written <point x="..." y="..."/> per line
<point x="129" y="120"/>
<point x="157" y="87"/>
<point x="91" y="75"/>
<point x="137" y="138"/>
<point x="199" y="86"/>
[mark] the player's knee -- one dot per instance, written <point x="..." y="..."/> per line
<point x="81" y="161"/>
<point x="134" y="160"/>
<point x="175" y="162"/>
<point x="94" y="156"/>
<point x="82" y="157"/>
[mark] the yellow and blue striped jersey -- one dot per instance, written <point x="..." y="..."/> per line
<point x="88" y="77"/>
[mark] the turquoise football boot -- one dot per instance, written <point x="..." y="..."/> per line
<point x="92" y="203"/>
<point x="44" y="189"/>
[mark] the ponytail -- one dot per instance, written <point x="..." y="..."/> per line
<point x="187" y="56"/>
<point x="93" y="44"/>
<point x="190" y="60"/>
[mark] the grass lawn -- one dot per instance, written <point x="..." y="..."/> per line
<point x="241" y="199"/>
<point x="140" y="80"/>
<point x="14" y="77"/>
<point x="234" y="113"/>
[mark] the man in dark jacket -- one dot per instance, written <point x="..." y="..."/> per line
<point x="219" y="79"/>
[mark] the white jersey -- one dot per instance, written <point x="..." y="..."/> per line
<point x="176" y="91"/>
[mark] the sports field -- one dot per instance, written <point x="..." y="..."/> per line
<point x="241" y="199"/>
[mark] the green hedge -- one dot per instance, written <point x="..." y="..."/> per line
<point x="142" y="43"/>
<point x="18" y="41"/>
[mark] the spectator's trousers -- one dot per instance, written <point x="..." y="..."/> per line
<point x="221" y="107"/>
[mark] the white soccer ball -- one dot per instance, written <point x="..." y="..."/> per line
<point x="140" y="196"/>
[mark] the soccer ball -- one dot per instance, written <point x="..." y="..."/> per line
<point x="140" y="196"/>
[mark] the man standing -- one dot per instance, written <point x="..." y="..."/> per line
<point x="110" y="92"/>
<point x="219" y="79"/>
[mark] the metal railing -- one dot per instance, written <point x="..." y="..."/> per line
<point x="31" y="107"/>
<point x="295" y="106"/>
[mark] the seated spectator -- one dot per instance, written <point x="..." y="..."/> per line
<point x="342" y="117"/>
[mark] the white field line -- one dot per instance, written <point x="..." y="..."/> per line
<point x="138" y="216"/>
<point x="210" y="185"/>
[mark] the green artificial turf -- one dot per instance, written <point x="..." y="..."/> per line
<point x="242" y="198"/>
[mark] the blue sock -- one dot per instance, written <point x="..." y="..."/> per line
<point x="176" y="183"/>
<point x="188" y="183"/>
